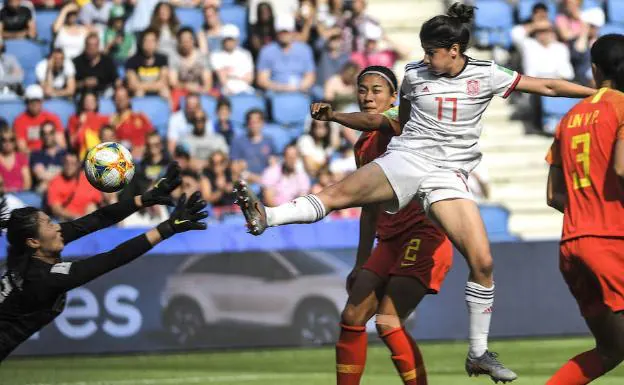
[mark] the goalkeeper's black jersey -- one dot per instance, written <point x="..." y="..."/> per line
<point x="30" y="301"/>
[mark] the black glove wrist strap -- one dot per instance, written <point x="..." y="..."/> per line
<point x="165" y="229"/>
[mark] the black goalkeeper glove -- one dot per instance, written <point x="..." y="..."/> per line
<point x="160" y="194"/>
<point x="186" y="216"/>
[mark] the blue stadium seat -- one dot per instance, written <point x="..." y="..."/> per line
<point x="107" y="106"/>
<point x="589" y="4"/>
<point x="615" y="11"/>
<point x="493" y="22"/>
<point x="612" y="28"/>
<point x="280" y="135"/>
<point x="553" y="109"/>
<point x="208" y="103"/>
<point x="29" y="198"/>
<point x="525" y="9"/>
<point x="61" y="107"/>
<point x="190" y="17"/>
<point x="237" y="15"/>
<point x="44" y="20"/>
<point x="10" y="109"/>
<point x="496" y="221"/>
<point x="244" y="102"/>
<point x="156" y="109"/>
<point x="28" y="53"/>
<point x="290" y="108"/>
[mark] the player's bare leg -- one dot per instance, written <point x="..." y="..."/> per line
<point x="608" y="330"/>
<point x="366" y="185"/>
<point x="461" y="220"/>
<point x="403" y="294"/>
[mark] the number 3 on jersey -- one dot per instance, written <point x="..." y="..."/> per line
<point x="441" y="102"/>
<point x="581" y="143"/>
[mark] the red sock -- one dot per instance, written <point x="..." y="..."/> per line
<point x="351" y="354"/>
<point x="580" y="370"/>
<point x="406" y="356"/>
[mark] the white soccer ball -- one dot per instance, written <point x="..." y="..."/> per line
<point x="109" y="167"/>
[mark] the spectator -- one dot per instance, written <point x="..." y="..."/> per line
<point x="166" y="23"/>
<point x="131" y="127"/>
<point x="17" y="21"/>
<point x="284" y="182"/>
<point x="324" y="179"/>
<point x="12" y="202"/>
<point x="150" y="168"/>
<point x="331" y="62"/>
<point x="224" y="125"/>
<point x="189" y="70"/>
<point x="84" y="126"/>
<point x="329" y="15"/>
<point x="27" y="125"/>
<point x="286" y="65"/>
<point x="220" y="180"/>
<point x="340" y="89"/>
<point x="201" y="143"/>
<point x="141" y="15"/>
<point x="317" y="146"/>
<point x="147" y="71"/>
<point x="13" y="164"/>
<point x="209" y="38"/>
<point x="69" y="35"/>
<point x="343" y="165"/>
<point x="182" y="156"/>
<point x="352" y="26"/>
<point x="539" y="20"/>
<point x="119" y="44"/>
<point x="95" y="71"/>
<point x="568" y="21"/>
<point x="11" y="74"/>
<point x="543" y="56"/>
<point x="56" y="75"/>
<point x="70" y="195"/>
<point x="46" y="163"/>
<point x="372" y="55"/>
<point x="263" y="31"/>
<point x="96" y="13"/>
<point x="233" y="64"/>
<point x="108" y="134"/>
<point x="49" y="4"/>
<point x="305" y="20"/>
<point x="254" y="150"/>
<point x="181" y="122"/>
<point x="191" y="181"/>
<point x="594" y="19"/>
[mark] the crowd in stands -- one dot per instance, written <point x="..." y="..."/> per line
<point x="220" y="86"/>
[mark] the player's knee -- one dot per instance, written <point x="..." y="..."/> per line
<point x="355" y="315"/>
<point x="482" y="267"/>
<point x="386" y="322"/>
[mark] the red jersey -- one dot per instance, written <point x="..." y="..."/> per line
<point x="28" y="127"/>
<point x="584" y="149"/>
<point x="132" y="127"/>
<point x="370" y="146"/>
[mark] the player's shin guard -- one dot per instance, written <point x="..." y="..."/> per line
<point x="406" y="356"/>
<point x="351" y="354"/>
<point x="580" y="370"/>
<point x="479" y="300"/>
<point x="306" y="209"/>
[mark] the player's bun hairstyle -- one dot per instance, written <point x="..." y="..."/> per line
<point x="443" y="31"/>
<point x="21" y="224"/>
<point x="382" y="71"/>
<point x="607" y="53"/>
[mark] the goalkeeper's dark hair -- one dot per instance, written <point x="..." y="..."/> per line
<point x="20" y="225"/>
<point x="607" y="54"/>
<point x="382" y="71"/>
<point x="443" y="31"/>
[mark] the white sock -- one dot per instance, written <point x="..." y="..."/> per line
<point x="479" y="300"/>
<point x="306" y="209"/>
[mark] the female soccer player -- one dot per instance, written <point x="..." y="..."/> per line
<point x="410" y="260"/>
<point x="33" y="290"/>
<point x="443" y="98"/>
<point x="585" y="183"/>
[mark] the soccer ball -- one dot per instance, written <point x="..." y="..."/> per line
<point x="109" y="167"/>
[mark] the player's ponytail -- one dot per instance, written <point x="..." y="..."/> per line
<point x="443" y="31"/>
<point x="22" y="224"/>
<point x="607" y="54"/>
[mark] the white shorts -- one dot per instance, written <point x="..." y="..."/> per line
<point x="414" y="177"/>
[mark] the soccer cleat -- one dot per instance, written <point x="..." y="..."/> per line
<point x="489" y="364"/>
<point x="252" y="208"/>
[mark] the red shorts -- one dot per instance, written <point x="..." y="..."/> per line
<point x="418" y="253"/>
<point x="593" y="268"/>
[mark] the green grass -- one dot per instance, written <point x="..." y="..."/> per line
<point x="533" y="360"/>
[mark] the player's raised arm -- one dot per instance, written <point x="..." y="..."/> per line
<point x="553" y="87"/>
<point x="361" y="121"/>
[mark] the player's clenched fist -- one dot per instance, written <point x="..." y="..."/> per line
<point x="322" y="111"/>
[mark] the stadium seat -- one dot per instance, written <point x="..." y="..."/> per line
<point x="612" y="28"/>
<point x="190" y="17"/>
<point x="208" y="103"/>
<point x="156" y="109"/>
<point x="281" y="136"/>
<point x="589" y="4"/>
<point x="615" y="11"/>
<point x="525" y="9"/>
<point x="290" y="108"/>
<point x="244" y="102"/>
<point x="61" y="107"/>
<point x="29" y="198"/>
<point x="553" y="109"/>
<point x="107" y="106"/>
<point x="10" y="109"/>
<point x="493" y="22"/>
<point x="237" y="15"/>
<point x="44" y="20"/>
<point x="496" y="221"/>
<point x="27" y="52"/>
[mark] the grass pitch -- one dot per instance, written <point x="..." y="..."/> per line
<point x="534" y="360"/>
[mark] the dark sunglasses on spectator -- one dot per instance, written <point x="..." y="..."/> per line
<point x="4" y="140"/>
<point x="154" y="144"/>
<point x="201" y="119"/>
<point x="48" y="133"/>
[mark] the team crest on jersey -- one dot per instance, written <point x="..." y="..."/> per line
<point x="472" y="87"/>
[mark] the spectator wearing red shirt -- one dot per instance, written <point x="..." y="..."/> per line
<point x="84" y="127"/>
<point x="13" y="164"/>
<point x="70" y="195"/>
<point x="372" y="55"/>
<point x="27" y="125"/>
<point x="131" y="127"/>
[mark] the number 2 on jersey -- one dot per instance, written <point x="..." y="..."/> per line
<point x="441" y="103"/>
<point x="582" y="157"/>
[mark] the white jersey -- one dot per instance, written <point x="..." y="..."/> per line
<point x="445" y="120"/>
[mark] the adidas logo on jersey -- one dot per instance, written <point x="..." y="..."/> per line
<point x="425" y="89"/>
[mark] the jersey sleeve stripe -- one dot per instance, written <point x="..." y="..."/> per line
<point x="512" y="87"/>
